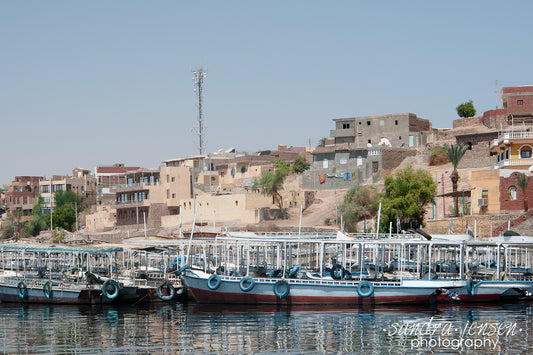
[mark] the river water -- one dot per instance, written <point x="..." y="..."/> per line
<point x="193" y="328"/>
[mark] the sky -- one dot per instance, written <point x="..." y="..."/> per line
<point x="93" y="83"/>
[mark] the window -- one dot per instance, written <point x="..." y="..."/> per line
<point x="172" y="179"/>
<point x="168" y="178"/>
<point x="360" y="122"/>
<point x="345" y="125"/>
<point x="370" y="141"/>
<point x="396" y="122"/>
<point x="368" y="123"/>
<point x="173" y="195"/>
<point x="511" y="193"/>
<point x="375" y="167"/>
<point x="400" y="138"/>
<point x="525" y="152"/>
<point x="519" y="102"/>
<point x="325" y="163"/>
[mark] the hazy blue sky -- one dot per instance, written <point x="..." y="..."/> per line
<point x="87" y="83"/>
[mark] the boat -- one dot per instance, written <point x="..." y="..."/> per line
<point x="324" y="271"/>
<point x="51" y="274"/>
<point x="498" y="271"/>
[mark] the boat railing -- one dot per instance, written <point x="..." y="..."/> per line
<point x="348" y="283"/>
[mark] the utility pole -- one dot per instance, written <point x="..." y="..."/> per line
<point x="199" y="75"/>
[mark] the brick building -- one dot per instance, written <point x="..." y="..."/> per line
<point x="22" y="194"/>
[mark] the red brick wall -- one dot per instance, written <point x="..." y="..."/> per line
<point x="515" y="108"/>
<point x="518" y="204"/>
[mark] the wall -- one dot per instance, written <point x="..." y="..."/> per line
<point x="467" y="121"/>
<point x="485" y="224"/>
<point x="101" y="219"/>
<point x="393" y="157"/>
<point x="356" y="162"/>
<point x="514" y="205"/>
<point x="229" y="207"/>
<point x="485" y="180"/>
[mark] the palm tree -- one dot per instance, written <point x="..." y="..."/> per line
<point x="455" y="152"/>
<point x="523" y="181"/>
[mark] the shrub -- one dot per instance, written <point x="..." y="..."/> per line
<point x="438" y="156"/>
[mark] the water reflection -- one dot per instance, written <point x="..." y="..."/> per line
<point x="262" y="329"/>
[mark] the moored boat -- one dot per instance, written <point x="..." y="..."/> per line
<point x="325" y="272"/>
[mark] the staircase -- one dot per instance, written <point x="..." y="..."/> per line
<point x="513" y="223"/>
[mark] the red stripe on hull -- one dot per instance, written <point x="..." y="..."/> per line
<point x="466" y="298"/>
<point x="206" y="296"/>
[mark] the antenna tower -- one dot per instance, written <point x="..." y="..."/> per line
<point x="198" y="79"/>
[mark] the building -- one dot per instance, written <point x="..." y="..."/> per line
<point x="513" y="148"/>
<point x="109" y="177"/>
<point x="496" y="190"/>
<point x="22" y="194"/>
<point x="343" y="169"/>
<point x="393" y="130"/>
<point x="150" y="195"/>
<point x="82" y="182"/>
<point x="231" y="171"/>
<point x="213" y="210"/>
<point x="101" y="219"/>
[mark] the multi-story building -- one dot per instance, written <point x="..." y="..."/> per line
<point x="393" y="130"/>
<point x="231" y="171"/>
<point x="110" y="177"/>
<point x="152" y="194"/>
<point x="514" y="148"/>
<point x="81" y="182"/>
<point x="22" y="194"/>
<point x="496" y="190"/>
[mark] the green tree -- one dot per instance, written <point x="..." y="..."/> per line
<point x="359" y="202"/>
<point x="455" y="152"/>
<point x="406" y="196"/>
<point x="466" y="109"/>
<point x="63" y="198"/>
<point x="522" y="180"/>
<point x="322" y="142"/>
<point x="38" y="222"/>
<point x="271" y="183"/>
<point x="300" y="164"/>
<point x="64" y="215"/>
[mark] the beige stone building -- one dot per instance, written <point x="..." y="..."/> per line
<point x="147" y="200"/>
<point x="485" y="193"/>
<point x="103" y="218"/>
<point x="222" y="208"/>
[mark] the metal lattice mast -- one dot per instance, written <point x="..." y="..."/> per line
<point x="199" y="75"/>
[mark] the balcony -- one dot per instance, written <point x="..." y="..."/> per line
<point x="133" y="187"/>
<point x="130" y="204"/>
<point x="337" y="133"/>
<point x="525" y="162"/>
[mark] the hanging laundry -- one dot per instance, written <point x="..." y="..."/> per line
<point x="322" y="178"/>
<point x="348" y="176"/>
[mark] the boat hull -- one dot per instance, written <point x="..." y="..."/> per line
<point x="9" y="293"/>
<point x="308" y="292"/>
